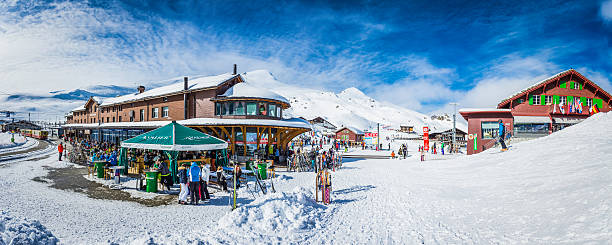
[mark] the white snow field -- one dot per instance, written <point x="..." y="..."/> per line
<point x="552" y="190"/>
<point x="5" y="141"/>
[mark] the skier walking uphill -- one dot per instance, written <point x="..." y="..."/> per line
<point x="502" y="132"/>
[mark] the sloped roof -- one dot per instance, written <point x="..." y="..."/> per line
<point x="247" y="90"/>
<point x="355" y="130"/>
<point x="548" y="80"/>
<point x="195" y="83"/>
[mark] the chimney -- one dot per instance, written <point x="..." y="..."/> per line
<point x="235" y="69"/>
<point x="185" y="104"/>
<point x="141" y="89"/>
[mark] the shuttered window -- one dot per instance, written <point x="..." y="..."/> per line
<point x="563" y="84"/>
<point x="598" y="102"/>
<point x="556" y="99"/>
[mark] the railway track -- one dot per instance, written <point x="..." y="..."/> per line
<point x="43" y="146"/>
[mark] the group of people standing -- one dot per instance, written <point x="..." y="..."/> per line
<point x="195" y="179"/>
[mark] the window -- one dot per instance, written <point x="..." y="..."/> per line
<point x="132" y="115"/>
<point x="576" y="85"/>
<point x="119" y="118"/>
<point x="490" y="130"/>
<point x="531" y="128"/>
<point x="563" y="100"/>
<point x="548" y="99"/>
<point x="262" y="109"/>
<point x="141" y="115"/>
<point x="120" y="107"/>
<point x="230" y="110"/>
<point x="113" y="108"/>
<point x="95" y="108"/>
<point x="224" y="108"/>
<point x="165" y="111"/>
<point x="217" y="108"/>
<point x="165" y="99"/>
<point x="113" y="119"/>
<point x="536" y="99"/>
<point x="107" y="119"/>
<point x="239" y="108"/>
<point x="272" y="109"/>
<point x="278" y="111"/>
<point x="155" y="112"/>
<point x="251" y="108"/>
<point x="589" y="102"/>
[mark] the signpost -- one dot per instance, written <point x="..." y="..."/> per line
<point x="426" y="138"/>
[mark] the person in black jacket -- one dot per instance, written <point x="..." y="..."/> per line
<point x="182" y="176"/>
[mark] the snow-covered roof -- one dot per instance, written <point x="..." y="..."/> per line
<point x="247" y="90"/>
<point x="355" y="130"/>
<point x="293" y="122"/>
<point x="79" y="108"/>
<point x="196" y="83"/>
<point x="483" y="110"/>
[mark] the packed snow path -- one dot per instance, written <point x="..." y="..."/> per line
<point x="556" y="189"/>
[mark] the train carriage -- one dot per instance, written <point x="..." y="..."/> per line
<point x="40" y="134"/>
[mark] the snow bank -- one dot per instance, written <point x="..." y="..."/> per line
<point x="5" y="140"/>
<point x="278" y="217"/>
<point x="23" y="231"/>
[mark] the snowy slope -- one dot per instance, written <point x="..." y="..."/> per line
<point x="350" y="107"/>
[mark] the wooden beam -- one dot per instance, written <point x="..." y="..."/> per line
<point x="244" y="139"/>
<point x="233" y="147"/>
<point x="214" y="132"/>
<point x="258" y="137"/>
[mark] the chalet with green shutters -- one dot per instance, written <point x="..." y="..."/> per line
<point x="549" y="105"/>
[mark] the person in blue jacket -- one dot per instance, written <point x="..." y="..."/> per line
<point x="194" y="182"/>
<point x="502" y="133"/>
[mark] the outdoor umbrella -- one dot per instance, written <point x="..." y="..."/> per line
<point x="173" y="138"/>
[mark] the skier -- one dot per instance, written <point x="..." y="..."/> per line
<point x="502" y="132"/>
<point x="60" y="149"/>
<point x="442" y="148"/>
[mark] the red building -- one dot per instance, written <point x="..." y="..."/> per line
<point x="350" y="135"/>
<point x="548" y="106"/>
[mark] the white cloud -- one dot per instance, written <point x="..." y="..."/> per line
<point x="606" y="10"/>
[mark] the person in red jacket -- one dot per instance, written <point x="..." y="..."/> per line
<point x="60" y="149"/>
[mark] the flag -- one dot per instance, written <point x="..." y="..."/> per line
<point x="580" y="107"/>
<point x="570" y="108"/>
<point x="595" y="109"/>
<point x="561" y="109"/>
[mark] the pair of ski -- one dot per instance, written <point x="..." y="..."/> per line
<point x="323" y="186"/>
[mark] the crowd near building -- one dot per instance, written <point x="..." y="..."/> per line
<point x="226" y="106"/>
<point x="546" y="107"/>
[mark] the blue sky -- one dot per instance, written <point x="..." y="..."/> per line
<point x="417" y="54"/>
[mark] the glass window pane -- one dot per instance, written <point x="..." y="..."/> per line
<point x="230" y="109"/>
<point x="239" y="108"/>
<point x="490" y="130"/>
<point x="278" y="111"/>
<point x="262" y="109"/>
<point x="251" y="108"/>
<point x="272" y="108"/>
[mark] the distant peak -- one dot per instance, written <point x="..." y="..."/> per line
<point x="352" y="91"/>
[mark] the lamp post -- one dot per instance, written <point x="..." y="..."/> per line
<point x="454" y="123"/>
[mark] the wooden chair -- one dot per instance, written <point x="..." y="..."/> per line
<point x="91" y="170"/>
<point x="108" y="173"/>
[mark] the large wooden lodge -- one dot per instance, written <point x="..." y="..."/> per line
<point x="226" y="106"/>
<point x="547" y="106"/>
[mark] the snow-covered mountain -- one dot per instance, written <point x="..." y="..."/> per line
<point x="350" y="107"/>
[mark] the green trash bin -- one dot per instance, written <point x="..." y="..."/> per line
<point x="151" y="178"/>
<point x="100" y="168"/>
<point x="263" y="171"/>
